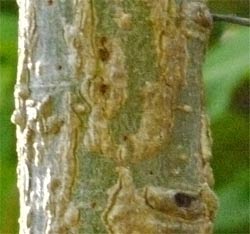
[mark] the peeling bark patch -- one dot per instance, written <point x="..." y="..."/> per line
<point x="154" y="210"/>
<point x="104" y="88"/>
<point x="158" y="96"/>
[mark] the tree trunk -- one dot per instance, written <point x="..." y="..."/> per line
<point x="111" y="131"/>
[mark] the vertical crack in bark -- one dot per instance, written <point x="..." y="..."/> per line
<point x="113" y="194"/>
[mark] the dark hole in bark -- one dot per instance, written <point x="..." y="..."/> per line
<point x="183" y="200"/>
<point x="103" y="54"/>
<point x="103" y="88"/>
<point x="59" y="67"/>
<point x="125" y="137"/>
<point x="93" y="205"/>
<point x="151" y="172"/>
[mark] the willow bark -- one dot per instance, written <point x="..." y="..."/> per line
<point x="111" y="131"/>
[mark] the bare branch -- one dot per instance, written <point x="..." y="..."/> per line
<point x="232" y="19"/>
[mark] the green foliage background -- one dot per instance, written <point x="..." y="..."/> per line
<point x="226" y="78"/>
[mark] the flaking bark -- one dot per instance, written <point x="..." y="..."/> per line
<point x="111" y="132"/>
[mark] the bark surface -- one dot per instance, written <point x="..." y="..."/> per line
<point x="111" y="132"/>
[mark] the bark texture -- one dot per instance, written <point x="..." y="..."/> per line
<point x="111" y="131"/>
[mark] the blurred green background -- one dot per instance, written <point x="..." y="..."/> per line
<point x="226" y="78"/>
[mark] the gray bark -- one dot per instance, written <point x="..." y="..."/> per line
<point x="111" y="131"/>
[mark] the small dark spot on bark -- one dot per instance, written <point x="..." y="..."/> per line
<point x="59" y="67"/>
<point x="93" y="205"/>
<point x="151" y="172"/>
<point x="183" y="199"/>
<point x="50" y="2"/>
<point x="103" y="88"/>
<point x="103" y="51"/>
<point x="55" y="184"/>
<point x="125" y="137"/>
<point x="103" y="54"/>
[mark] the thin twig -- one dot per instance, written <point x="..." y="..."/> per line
<point x="232" y="19"/>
